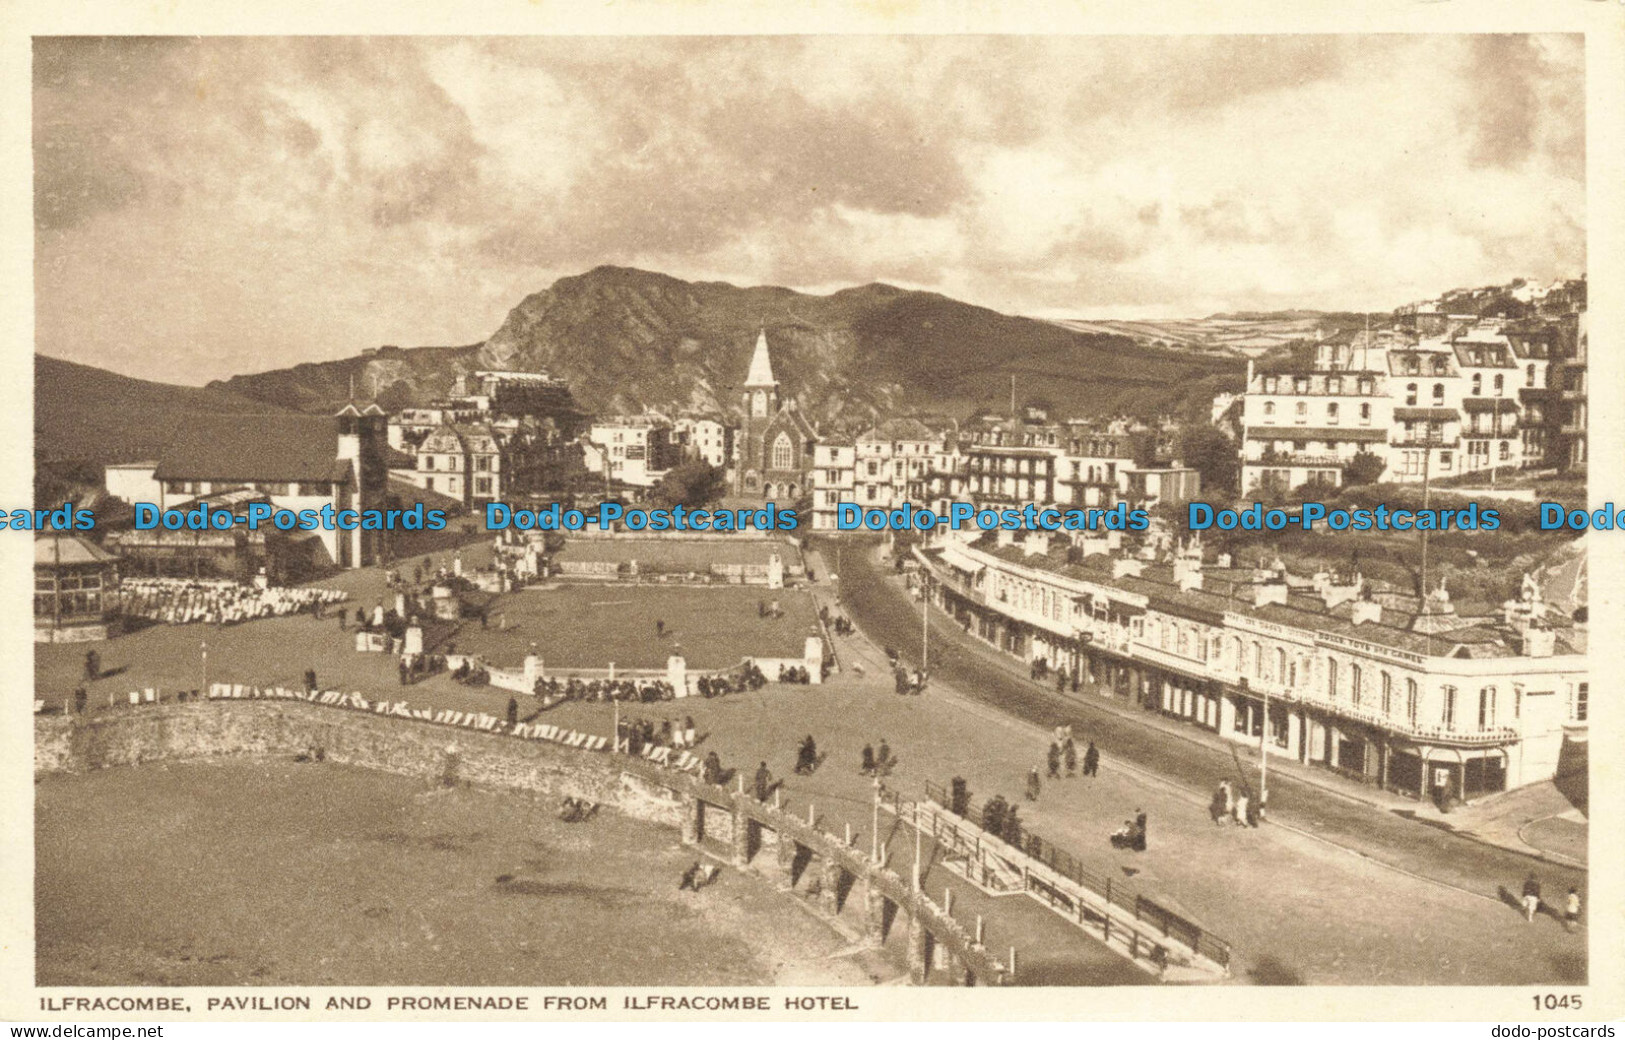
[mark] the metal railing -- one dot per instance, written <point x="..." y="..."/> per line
<point x="1145" y="910"/>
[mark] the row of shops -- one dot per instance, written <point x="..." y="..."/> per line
<point x="1110" y="662"/>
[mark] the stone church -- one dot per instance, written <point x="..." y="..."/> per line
<point x="775" y="439"/>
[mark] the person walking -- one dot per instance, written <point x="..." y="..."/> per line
<point x="1531" y="897"/>
<point x="660" y="628"/>
<point x="1033" y="784"/>
<point x="764" y="780"/>
<point x="1216" y="805"/>
<point x="513" y="712"/>
<point x="93" y="666"/>
<point x="1054" y="761"/>
<point x="1240" y="811"/>
<point x="1139" y="830"/>
<point x="868" y="767"/>
<point x="1571" y="911"/>
<point x="688" y="730"/>
<point x="1069" y="752"/>
<point x="1091" y="760"/>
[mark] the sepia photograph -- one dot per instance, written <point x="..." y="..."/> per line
<point x="526" y="518"/>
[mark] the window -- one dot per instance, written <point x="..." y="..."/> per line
<point x="1529" y="376"/>
<point x="316" y="488"/>
<point x="1258" y="660"/>
<point x="482" y="462"/>
<point x="1478" y="383"/>
<point x="784" y="454"/>
<point x="1441" y="366"/>
<point x="1269" y="408"/>
<point x="1280" y="665"/>
<point x="1500" y="385"/>
<point x="1438" y="394"/>
<point x="270" y="487"/>
<point x="428" y="462"/>
<point x="1271" y="384"/>
<point x="1506" y="450"/>
<point x="1365" y="384"/>
<point x="1331" y="677"/>
<point x="1331" y="411"/>
<point x="1302" y="411"/>
<point x="1410" y="700"/>
<point x="482" y="485"/>
<point x="1334" y="385"/>
<point x="1386" y="682"/>
<point x="1577" y="702"/>
<point x="1447" y="714"/>
<point x="1355" y="677"/>
<point x="1410" y="395"/>
<point x="1486" y="708"/>
<point x="1365" y="413"/>
<point x="428" y="483"/>
<point x="1445" y="459"/>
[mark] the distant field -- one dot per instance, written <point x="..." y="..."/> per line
<point x="671" y="555"/>
<point x="265" y="872"/>
<point x="588" y="626"/>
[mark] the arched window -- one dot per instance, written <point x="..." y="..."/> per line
<point x="1258" y="660"/>
<point x="784" y="454"/>
<point x="1355" y="682"/>
<point x="1331" y="677"/>
<point x="1280" y="665"/>
<point x="1500" y="385"/>
<point x="1438" y="394"/>
<point x="1410" y="394"/>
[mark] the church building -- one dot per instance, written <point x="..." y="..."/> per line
<point x="775" y="440"/>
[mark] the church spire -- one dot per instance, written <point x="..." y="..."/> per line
<point x="761" y="366"/>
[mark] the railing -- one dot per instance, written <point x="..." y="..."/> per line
<point x="1112" y="892"/>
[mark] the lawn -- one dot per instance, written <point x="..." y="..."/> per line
<point x="589" y="626"/>
<point x="267" y="872"/>
<point x="667" y="555"/>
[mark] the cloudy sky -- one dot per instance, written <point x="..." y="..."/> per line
<point x="207" y="207"/>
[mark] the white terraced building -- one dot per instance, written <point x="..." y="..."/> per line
<point x="1370" y="683"/>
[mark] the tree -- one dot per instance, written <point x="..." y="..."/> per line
<point x="692" y="484"/>
<point x="1364" y="468"/>
<point x="1208" y="451"/>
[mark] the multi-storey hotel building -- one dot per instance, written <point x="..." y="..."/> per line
<point x="1324" y="671"/>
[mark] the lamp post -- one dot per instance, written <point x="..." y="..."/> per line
<point x="925" y="621"/>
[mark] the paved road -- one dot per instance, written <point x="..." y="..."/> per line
<point x="889" y="617"/>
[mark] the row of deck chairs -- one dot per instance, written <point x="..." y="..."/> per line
<point x="672" y="758"/>
<point x="567" y="737"/>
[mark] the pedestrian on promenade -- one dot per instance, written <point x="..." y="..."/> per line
<point x="401" y="670"/>
<point x="764" y="780"/>
<point x="1054" y="761"/>
<point x="688" y="730"/>
<point x="1091" y="760"/>
<point x="513" y="712"/>
<point x="1240" y="814"/>
<point x="1217" y="809"/>
<point x="310" y="680"/>
<point x="1531" y="897"/>
<point x="868" y="768"/>
<point x="1070" y="754"/>
<point x="93" y="666"/>
<point x="660" y="628"/>
<point x="1571" y="911"/>
<point x="1139" y="830"/>
<point x="1033" y="784"/>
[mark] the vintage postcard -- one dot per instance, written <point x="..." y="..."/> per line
<point x="661" y="513"/>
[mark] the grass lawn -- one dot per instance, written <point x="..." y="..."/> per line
<point x="588" y="626"/>
<point x="265" y="872"/>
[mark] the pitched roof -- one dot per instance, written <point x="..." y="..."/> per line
<point x="253" y="448"/>
<point x="51" y="550"/>
<point x="761" y="366"/>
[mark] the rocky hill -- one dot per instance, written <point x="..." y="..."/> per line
<point x="626" y="339"/>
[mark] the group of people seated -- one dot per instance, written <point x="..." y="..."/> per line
<point x="749" y="677"/>
<point x="178" y="601"/>
<point x="641" y="691"/>
<point x="1131" y="835"/>
<point x="577" y="810"/>
<point x="698" y="875"/>
<point x="794" y="673"/>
